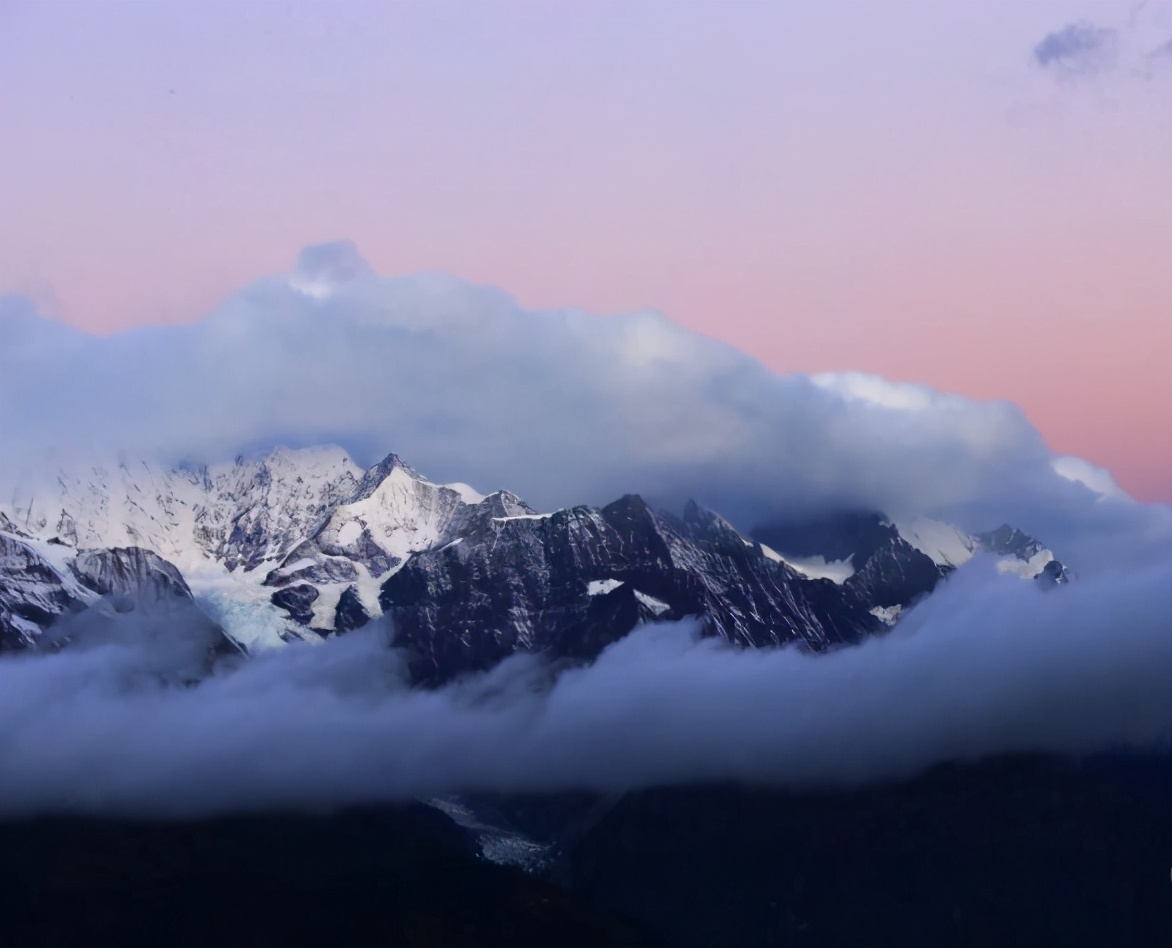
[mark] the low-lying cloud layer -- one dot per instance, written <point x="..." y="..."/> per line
<point x="988" y="664"/>
<point x="561" y="407"/>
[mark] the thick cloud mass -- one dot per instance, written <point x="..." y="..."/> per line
<point x="566" y="408"/>
<point x="561" y="406"/>
<point x="974" y="670"/>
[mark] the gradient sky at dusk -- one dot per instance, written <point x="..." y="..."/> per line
<point x="976" y="196"/>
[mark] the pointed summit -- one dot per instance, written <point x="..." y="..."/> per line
<point x="380" y="472"/>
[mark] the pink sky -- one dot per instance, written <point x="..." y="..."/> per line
<point x="901" y="189"/>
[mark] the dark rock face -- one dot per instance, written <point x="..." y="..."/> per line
<point x="306" y="563"/>
<point x="888" y="571"/>
<point x="350" y="613"/>
<point x="894" y="574"/>
<point x="297" y="600"/>
<point x="1053" y="574"/>
<point x="574" y="581"/>
<point x="1010" y="541"/>
<point x="130" y="572"/>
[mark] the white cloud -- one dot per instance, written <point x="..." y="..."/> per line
<point x="989" y="664"/>
<point x="565" y="407"/>
<point x="561" y="406"/>
<point x="1097" y="478"/>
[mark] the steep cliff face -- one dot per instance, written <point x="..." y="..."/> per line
<point x="574" y="581"/>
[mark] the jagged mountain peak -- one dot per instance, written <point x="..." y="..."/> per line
<point x="502" y="505"/>
<point x="629" y="507"/>
<point x="702" y="520"/>
<point x="304" y="541"/>
<point x="379" y="472"/>
<point x="1007" y="539"/>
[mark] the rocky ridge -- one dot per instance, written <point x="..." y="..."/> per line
<point x="306" y="544"/>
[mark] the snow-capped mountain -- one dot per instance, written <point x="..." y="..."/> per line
<point x="236" y="514"/>
<point x="33" y="592"/>
<point x="305" y="543"/>
<point x="247" y="536"/>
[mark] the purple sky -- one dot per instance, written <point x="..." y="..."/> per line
<point x="975" y="196"/>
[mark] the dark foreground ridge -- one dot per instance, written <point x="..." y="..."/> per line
<point x="1016" y="851"/>
<point x="1020" y="851"/>
<point x="402" y="876"/>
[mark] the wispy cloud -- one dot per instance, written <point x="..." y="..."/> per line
<point x="1162" y="52"/>
<point x="1078" y="49"/>
<point x="1140" y="48"/>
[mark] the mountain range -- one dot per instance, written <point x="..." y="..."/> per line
<point x="306" y="544"/>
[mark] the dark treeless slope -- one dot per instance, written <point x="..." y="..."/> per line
<point x="1017" y="851"/>
<point x="372" y="876"/>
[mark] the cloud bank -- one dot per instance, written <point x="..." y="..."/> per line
<point x="565" y="408"/>
<point x="973" y="670"/>
<point x="560" y="406"/>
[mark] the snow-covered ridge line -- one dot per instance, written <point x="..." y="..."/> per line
<point x="231" y="527"/>
<point x="950" y="548"/>
<point x="943" y="543"/>
<point x="814" y="567"/>
<point x="303" y="543"/>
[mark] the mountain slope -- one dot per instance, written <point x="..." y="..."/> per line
<point x="302" y="544"/>
<point x="572" y="582"/>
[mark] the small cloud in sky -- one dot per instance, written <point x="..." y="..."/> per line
<point x="322" y="267"/>
<point x="1078" y="49"/>
<point x="1140" y="48"/>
